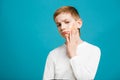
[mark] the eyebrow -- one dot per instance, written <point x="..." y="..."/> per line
<point x="63" y="21"/>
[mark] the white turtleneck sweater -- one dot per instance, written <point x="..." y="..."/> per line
<point x="80" y="67"/>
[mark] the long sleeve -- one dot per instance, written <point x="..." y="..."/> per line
<point x="49" y="69"/>
<point x="85" y="68"/>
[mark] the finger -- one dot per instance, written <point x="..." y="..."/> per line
<point x="70" y="36"/>
<point x="73" y="33"/>
<point x="67" y="39"/>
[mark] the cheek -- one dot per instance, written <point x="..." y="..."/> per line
<point x="58" y="29"/>
<point x="70" y="26"/>
<point x="74" y="27"/>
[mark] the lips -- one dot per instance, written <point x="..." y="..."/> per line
<point x="65" y="32"/>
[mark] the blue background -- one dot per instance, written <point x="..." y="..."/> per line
<point x="28" y="33"/>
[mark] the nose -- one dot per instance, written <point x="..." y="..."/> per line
<point x="62" y="26"/>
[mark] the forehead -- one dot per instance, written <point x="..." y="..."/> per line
<point x="63" y="16"/>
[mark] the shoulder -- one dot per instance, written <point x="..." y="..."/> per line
<point x="91" y="48"/>
<point x="56" y="51"/>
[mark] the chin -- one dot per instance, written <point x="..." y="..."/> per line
<point x="66" y="35"/>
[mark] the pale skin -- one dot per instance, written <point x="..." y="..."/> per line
<point x="68" y="28"/>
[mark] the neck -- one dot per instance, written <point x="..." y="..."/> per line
<point x="79" y="41"/>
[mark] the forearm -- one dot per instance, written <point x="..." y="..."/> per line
<point x="81" y="69"/>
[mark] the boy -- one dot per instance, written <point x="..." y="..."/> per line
<point x="76" y="59"/>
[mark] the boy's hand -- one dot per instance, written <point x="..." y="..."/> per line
<point x="72" y="42"/>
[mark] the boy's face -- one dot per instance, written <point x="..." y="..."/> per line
<point x="66" y="23"/>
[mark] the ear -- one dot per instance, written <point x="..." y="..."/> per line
<point x="79" y="23"/>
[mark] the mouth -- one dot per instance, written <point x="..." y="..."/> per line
<point x="65" y="32"/>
